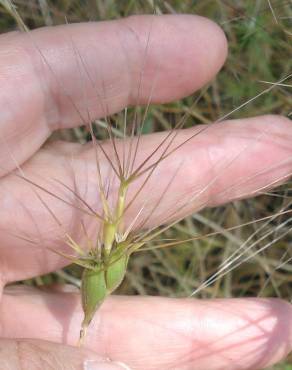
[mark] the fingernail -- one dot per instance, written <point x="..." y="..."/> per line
<point x="94" y="365"/>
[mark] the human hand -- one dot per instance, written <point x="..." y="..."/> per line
<point x="143" y="332"/>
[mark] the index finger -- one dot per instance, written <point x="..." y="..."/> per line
<point x="63" y="76"/>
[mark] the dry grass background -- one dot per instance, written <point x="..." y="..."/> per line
<point x="259" y="34"/>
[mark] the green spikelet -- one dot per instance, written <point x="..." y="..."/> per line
<point x="99" y="283"/>
<point x="115" y="273"/>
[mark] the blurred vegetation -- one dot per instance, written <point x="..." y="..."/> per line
<point x="259" y="35"/>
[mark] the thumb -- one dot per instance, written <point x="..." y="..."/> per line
<point x="36" y="354"/>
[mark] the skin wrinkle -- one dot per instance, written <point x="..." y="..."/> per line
<point x="33" y="357"/>
<point x="251" y="323"/>
<point x="19" y="354"/>
<point x="59" y="90"/>
<point x="169" y="332"/>
<point x="220" y="164"/>
<point x="130" y="67"/>
<point x="137" y="64"/>
<point x="25" y="129"/>
<point x="213" y="348"/>
<point x="211" y="195"/>
<point x="256" y="146"/>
